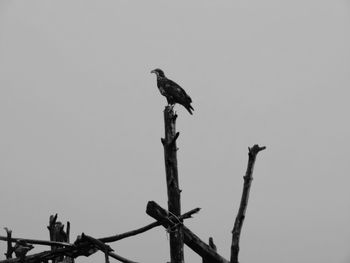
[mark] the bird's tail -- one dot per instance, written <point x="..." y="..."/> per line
<point x="189" y="108"/>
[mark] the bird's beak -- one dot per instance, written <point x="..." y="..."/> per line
<point x="152" y="71"/>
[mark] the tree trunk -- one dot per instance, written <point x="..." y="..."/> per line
<point x="174" y="205"/>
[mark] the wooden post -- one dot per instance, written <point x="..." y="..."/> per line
<point x="174" y="205"/>
<point x="9" y="243"/>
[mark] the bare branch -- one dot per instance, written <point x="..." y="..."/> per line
<point x="145" y="228"/>
<point x="129" y="233"/>
<point x="236" y="232"/>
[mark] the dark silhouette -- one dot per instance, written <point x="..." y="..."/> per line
<point x="172" y="91"/>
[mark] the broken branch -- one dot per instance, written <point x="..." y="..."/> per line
<point x="237" y="228"/>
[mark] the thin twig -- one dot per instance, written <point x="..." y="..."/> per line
<point x="145" y="228"/>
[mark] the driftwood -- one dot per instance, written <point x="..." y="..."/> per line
<point x="190" y="239"/>
<point x="236" y="232"/>
<point x="172" y="181"/>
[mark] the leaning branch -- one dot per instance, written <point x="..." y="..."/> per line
<point x="236" y="232"/>
<point x="129" y="233"/>
<point x="82" y="247"/>
<point x="190" y="239"/>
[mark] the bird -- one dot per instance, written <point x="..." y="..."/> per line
<point x="172" y="91"/>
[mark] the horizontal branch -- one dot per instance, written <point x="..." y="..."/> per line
<point x="52" y="254"/>
<point x="36" y="241"/>
<point x="129" y="233"/>
<point x="144" y="229"/>
<point x="81" y="248"/>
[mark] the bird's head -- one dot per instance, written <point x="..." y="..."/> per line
<point x="158" y="72"/>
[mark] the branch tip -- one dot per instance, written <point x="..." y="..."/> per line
<point x="8" y="231"/>
<point x="255" y="149"/>
<point x="212" y="244"/>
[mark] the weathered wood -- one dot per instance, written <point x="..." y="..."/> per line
<point x="174" y="202"/>
<point x="144" y="229"/>
<point x="82" y="247"/>
<point x="9" y="252"/>
<point x="99" y="245"/>
<point x="190" y="239"/>
<point x="57" y="234"/>
<point x="21" y="249"/>
<point x="96" y="242"/>
<point x="120" y="258"/>
<point x="129" y="233"/>
<point x="36" y="241"/>
<point x="236" y="232"/>
<point x="45" y="256"/>
<point x="213" y="247"/>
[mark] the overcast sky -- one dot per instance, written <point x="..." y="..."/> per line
<point x="81" y="122"/>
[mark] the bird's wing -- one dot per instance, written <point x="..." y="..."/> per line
<point x="178" y="93"/>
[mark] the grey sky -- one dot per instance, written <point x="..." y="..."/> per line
<point x="81" y="121"/>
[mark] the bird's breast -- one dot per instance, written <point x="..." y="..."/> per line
<point x="162" y="91"/>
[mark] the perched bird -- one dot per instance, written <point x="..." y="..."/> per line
<point x="172" y="91"/>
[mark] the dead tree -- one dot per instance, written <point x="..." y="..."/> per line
<point x="172" y="181"/>
<point x="61" y="250"/>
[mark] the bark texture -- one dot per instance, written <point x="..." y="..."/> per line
<point x="174" y="202"/>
